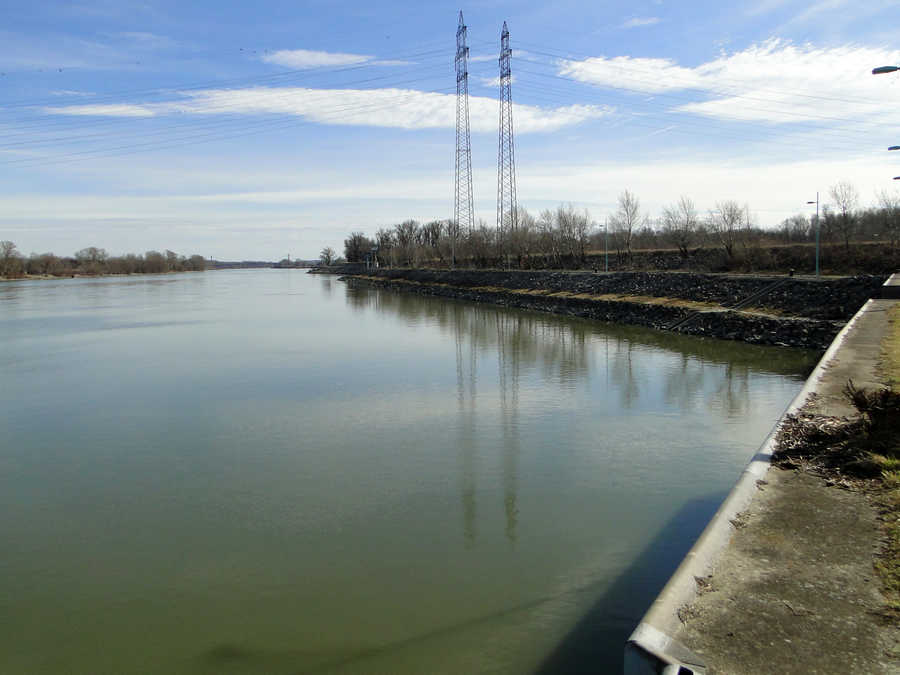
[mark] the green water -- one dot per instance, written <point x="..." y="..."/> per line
<point x="268" y="472"/>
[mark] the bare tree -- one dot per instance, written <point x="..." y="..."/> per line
<point x="890" y="208"/>
<point x="91" y="260"/>
<point x="327" y="255"/>
<point x="173" y="262"/>
<point x="725" y="221"/>
<point x="10" y="260"/>
<point x="572" y="230"/>
<point x="431" y="234"/>
<point x="154" y="262"/>
<point x="407" y="236"/>
<point x="627" y="219"/>
<point x="795" y="228"/>
<point x="680" y="223"/>
<point x="196" y="263"/>
<point x="384" y="239"/>
<point x="549" y="238"/>
<point x="845" y="198"/>
<point x="521" y="240"/>
<point x="356" y="246"/>
<point x="44" y="263"/>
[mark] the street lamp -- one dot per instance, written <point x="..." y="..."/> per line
<point x="894" y="147"/>
<point x="818" y="228"/>
<point x="881" y="70"/>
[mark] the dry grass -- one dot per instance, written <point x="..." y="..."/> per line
<point x="604" y="297"/>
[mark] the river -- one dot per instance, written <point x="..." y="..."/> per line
<point x="264" y="471"/>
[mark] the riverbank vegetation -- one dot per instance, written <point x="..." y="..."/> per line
<point x="92" y="261"/>
<point x="725" y="237"/>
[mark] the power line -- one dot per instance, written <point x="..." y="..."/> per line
<point x="254" y="128"/>
<point x="224" y="108"/>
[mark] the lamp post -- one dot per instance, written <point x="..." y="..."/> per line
<point x="818" y="228"/>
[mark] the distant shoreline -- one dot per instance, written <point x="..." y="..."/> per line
<point x="49" y="277"/>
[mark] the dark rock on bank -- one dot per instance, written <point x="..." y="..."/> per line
<point x="832" y="299"/>
<point x="810" y="312"/>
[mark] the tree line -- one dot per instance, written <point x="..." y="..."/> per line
<point x="563" y="237"/>
<point x="93" y="261"/>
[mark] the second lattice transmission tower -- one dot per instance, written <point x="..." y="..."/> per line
<point x="507" y="215"/>
<point x="463" y="211"/>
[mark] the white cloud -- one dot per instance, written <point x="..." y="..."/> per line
<point x="775" y="81"/>
<point x="494" y="81"/>
<point x="643" y="74"/>
<point x="640" y="22"/>
<point x="105" y="110"/>
<point x="306" y="58"/>
<point x="398" y="108"/>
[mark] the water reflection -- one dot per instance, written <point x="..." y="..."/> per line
<point x="508" y="363"/>
<point x="648" y="370"/>
<point x="507" y="332"/>
<point x="569" y="352"/>
<point x="466" y="397"/>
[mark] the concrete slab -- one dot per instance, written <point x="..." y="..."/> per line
<point x="795" y="592"/>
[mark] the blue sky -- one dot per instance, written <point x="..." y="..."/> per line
<point x="256" y="130"/>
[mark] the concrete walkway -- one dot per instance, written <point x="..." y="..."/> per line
<point x="794" y="589"/>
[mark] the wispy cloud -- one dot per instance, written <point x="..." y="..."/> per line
<point x="640" y="22"/>
<point x="306" y="58"/>
<point x="145" y="40"/>
<point x="765" y="6"/>
<point x="494" y="81"/>
<point x="775" y="81"/>
<point x="105" y="110"/>
<point x="398" y="108"/>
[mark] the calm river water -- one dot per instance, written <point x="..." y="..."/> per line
<point x="267" y="472"/>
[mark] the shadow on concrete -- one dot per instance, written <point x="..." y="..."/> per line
<point x="597" y="642"/>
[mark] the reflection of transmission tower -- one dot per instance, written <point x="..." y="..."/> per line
<point x="506" y="158"/>
<point x="463" y="212"/>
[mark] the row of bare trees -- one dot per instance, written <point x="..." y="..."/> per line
<point x="93" y="260"/>
<point x="563" y="236"/>
<point x="843" y="220"/>
<point x="554" y="237"/>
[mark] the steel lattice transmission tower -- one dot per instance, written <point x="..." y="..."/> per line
<point x="507" y="216"/>
<point x="463" y="211"/>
